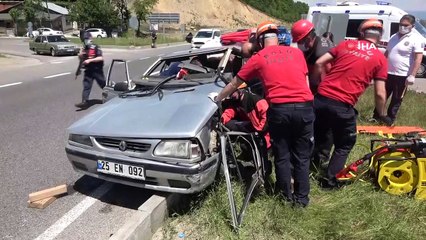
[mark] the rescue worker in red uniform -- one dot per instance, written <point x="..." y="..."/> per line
<point x="283" y="72"/>
<point x="356" y="64"/>
<point x="94" y="64"/>
<point x="313" y="47"/>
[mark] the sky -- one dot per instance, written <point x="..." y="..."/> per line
<point x="407" y="5"/>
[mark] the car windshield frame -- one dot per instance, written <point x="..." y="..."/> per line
<point x="204" y="34"/>
<point x="193" y="79"/>
<point x="420" y="29"/>
<point x="55" y="38"/>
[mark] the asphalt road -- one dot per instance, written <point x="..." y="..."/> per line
<point x="37" y="105"/>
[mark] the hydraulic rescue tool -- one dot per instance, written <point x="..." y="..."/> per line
<point x="396" y="166"/>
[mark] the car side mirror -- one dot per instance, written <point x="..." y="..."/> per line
<point x="121" y="86"/>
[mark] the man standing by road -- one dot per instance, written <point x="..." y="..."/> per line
<point x="94" y="63"/>
<point x="405" y="54"/>
<point x="283" y="72"/>
<point x="356" y="63"/>
<point x="153" y="38"/>
<point x="313" y="46"/>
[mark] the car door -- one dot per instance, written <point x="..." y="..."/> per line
<point x="216" y="36"/>
<point x="36" y="44"/>
<point x="44" y="44"/>
<point x="116" y="82"/>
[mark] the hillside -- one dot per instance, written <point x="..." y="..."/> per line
<point x="228" y="14"/>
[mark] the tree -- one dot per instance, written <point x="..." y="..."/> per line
<point x="287" y="10"/>
<point x="95" y="13"/>
<point x="121" y="6"/>
<point x="15" y="14"/>
<point x="142" y="9"/>
<point x="31" y="7"/>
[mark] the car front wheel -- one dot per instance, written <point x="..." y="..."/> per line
<point x="421" y="73"/>
<point x="99" y="36"/>
<point x="52" y="52"/>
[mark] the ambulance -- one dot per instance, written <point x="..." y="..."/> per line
<point x="344" y="18"/>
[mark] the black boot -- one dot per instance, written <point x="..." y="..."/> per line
<point x="83" y="104"/>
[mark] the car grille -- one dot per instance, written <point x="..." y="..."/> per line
<point x="69" y="47"/>
<point x="198" y="43"/>
<point x="131" y="146"/>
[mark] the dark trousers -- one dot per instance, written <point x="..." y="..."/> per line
<point x="246" y="126"/>
<point x="291" y="129"/>
<point x="395" y="86"/>
<point x="89" y="76"/>
<point x="340" y="118"/>
<point x="322" y="150"/>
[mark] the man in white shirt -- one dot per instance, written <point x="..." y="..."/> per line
<point x="405" y="54"/>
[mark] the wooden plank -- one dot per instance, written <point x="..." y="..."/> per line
<point x="48" y="193"/>
<point x="41" y="204"/>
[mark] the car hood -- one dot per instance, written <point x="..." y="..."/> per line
<point x="179" y="114"/>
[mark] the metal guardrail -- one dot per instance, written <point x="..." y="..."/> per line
<point x="164" y="18"/>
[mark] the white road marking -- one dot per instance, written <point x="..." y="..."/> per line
<point x="10" y="84"/>
<point x="56" y="62"/>
<point x="144" y="58"/>
<point x="58" y="75"/>
<point x="53" y="231"/>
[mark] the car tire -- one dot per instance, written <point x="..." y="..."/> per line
<point x="53" y="52"/>
<point x="99" y="36"/>
<point x="421" y="73"/>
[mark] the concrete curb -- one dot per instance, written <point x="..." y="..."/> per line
<point x="148" y="219"/>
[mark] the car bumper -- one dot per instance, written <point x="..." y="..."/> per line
<point x="159" y="176"/>
<point x="67" y="51"/>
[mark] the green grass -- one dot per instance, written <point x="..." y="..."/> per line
<point x="357" y="211"/>
<point x="132" y="41"/>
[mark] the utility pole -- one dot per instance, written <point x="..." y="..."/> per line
<point x="48" y="14"/>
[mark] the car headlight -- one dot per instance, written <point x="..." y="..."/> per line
<point x="81" y="139"/>
<point x="185" y="149"/>
<point x="61" y="47"/>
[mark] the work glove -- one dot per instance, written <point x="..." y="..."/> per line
<point x="410" y="80"/>
<point x="213" y="96"/>
<point x="385" y="120"/>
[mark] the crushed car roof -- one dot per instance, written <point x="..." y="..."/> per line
<point x="193" y="52"/>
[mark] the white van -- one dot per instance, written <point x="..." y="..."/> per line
<point x="203" y="36"/>
<point x="357" y="13"/>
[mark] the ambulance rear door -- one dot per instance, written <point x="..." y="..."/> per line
<point x="335" y="23"/>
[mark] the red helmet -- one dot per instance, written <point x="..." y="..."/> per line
<point x="301" y="29"/>
<point x="264" y="27"/>
<point x="370" y="23"/>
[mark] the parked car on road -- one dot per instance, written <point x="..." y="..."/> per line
<point x="54" y="45"/>
<point x="157" y="132"/>
<point x="97" y="32"/>
<point x="203" y="36"/>
<point x="284" y="36"/>
<point x="49" y="31"/>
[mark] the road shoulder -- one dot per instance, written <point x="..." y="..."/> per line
<point x="13" y="61"/>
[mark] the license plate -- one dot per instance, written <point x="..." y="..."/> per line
<point x="119" y="169"/>
<point x="70" y="50"/>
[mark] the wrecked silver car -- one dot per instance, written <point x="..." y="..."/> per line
<point x="157" y="132"/>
